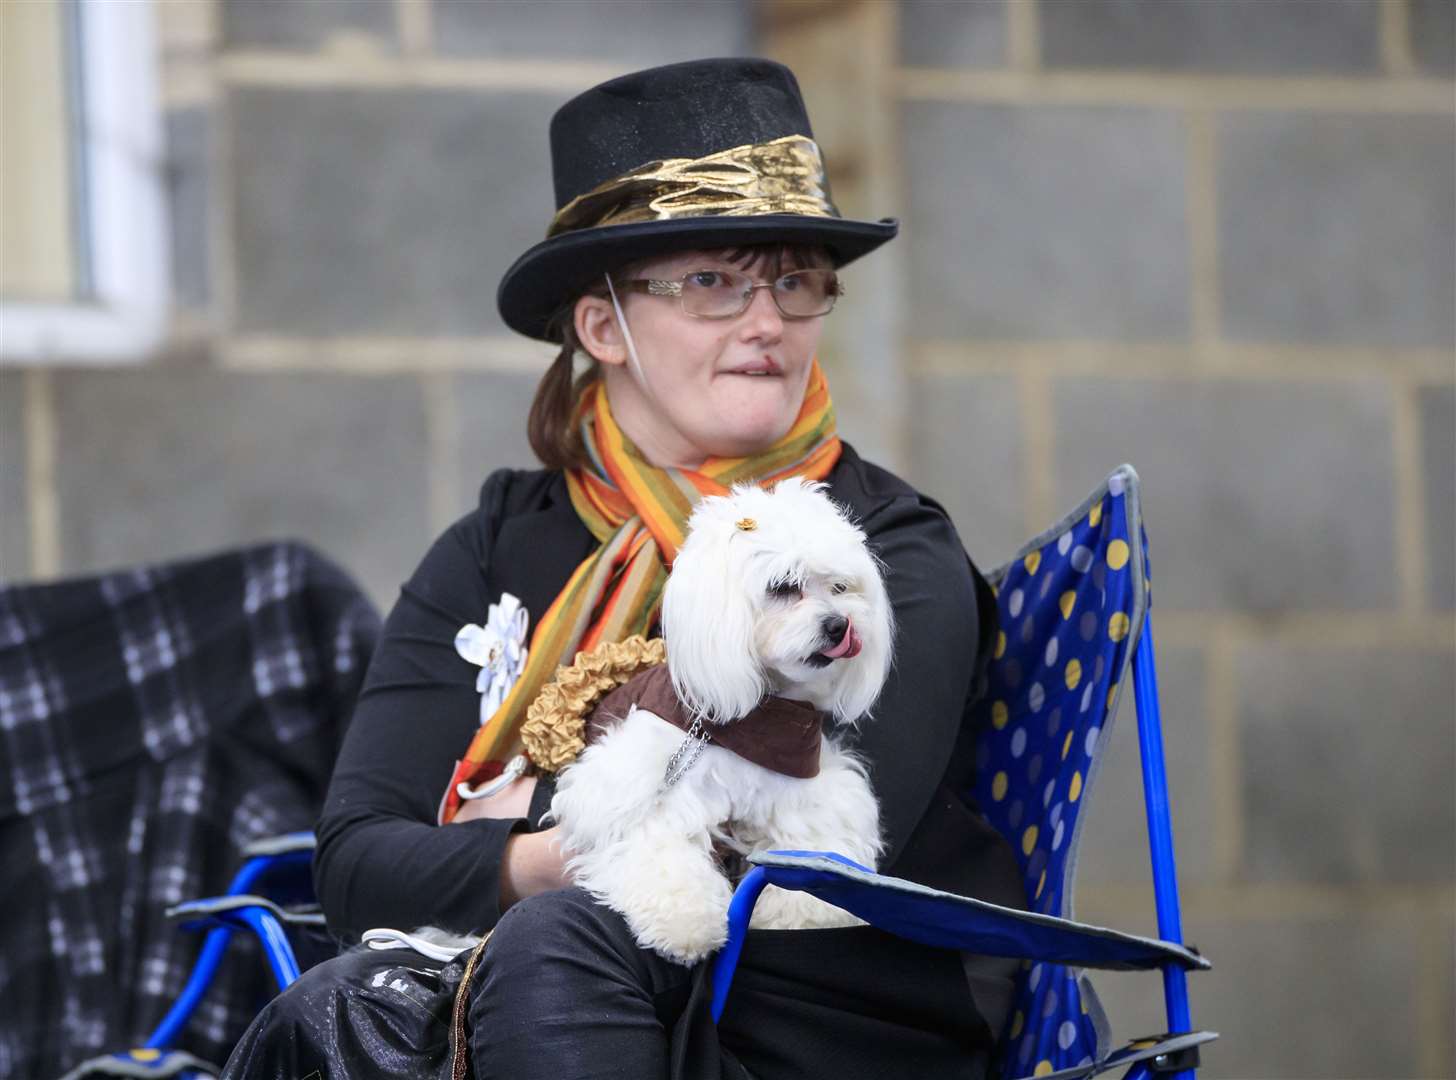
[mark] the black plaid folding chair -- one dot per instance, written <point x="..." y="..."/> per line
<point x="154" y="723"/>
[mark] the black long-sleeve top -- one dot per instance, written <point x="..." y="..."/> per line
<point x="382" y="860"/>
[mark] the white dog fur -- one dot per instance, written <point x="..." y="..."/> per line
<point x="744" y="616"/>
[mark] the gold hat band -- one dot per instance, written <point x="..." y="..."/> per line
<point x="785" y="176"/>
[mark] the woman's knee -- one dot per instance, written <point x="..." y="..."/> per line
<point x="563" y="923"/>
<point x="562" y="976"/>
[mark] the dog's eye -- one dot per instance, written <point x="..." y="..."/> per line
<point x="784" y="590"/>
<point x="839" y="587"/>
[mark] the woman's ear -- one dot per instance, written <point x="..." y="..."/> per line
<point x="597" y="330"/>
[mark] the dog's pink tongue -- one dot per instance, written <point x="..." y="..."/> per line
<point x="848" y="647"/>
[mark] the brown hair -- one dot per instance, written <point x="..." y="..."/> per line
<point x="554" y="437"/>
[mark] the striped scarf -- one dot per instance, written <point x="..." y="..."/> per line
<point x="638" y="513"/>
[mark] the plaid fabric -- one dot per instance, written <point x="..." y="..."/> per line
<point x="152" y="723"/>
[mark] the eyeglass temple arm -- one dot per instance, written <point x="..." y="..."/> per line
<point x="652" y="286"/>
<point x="663" y="287"/>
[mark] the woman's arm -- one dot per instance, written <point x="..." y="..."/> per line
<point x="381" y="859"/>
<point x="532" y="862"/>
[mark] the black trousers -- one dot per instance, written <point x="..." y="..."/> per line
<point x="563" y="991"/>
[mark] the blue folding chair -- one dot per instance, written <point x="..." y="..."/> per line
<point x="154" y="720"/>
<point x="1073" y="606"/>
<point x="272" y="891"/>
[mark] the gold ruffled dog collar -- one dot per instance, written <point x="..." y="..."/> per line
<point x="554" y="731"/>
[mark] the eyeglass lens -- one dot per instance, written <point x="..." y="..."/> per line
<point x="717" y="294"/>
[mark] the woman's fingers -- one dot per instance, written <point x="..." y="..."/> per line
<point x="533" y="864"/>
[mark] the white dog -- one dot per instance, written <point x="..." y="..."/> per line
<point x="773" y="596"/>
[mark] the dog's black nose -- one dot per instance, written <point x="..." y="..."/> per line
<point x="834" y="627"/>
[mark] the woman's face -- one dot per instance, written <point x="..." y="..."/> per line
<point x="713" y="387"/>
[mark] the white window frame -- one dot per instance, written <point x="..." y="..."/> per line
<point x="121" y="145"/>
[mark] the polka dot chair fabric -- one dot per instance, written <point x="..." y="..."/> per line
<point x="1072" y="605"/>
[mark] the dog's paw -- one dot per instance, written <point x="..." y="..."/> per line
<point x="678" y="910"/>
<point x="790" y="909"/>
<point x="684" y="934"/>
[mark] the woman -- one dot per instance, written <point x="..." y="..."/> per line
<point x="691" y="260"/>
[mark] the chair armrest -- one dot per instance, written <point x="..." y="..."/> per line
<point x="177" y="1064"/>
<point x="280" y="845"/>
<point x="944" y="919"/>
<point x="1159" y="1054"/>
<point x="259" y="916"/>
<point x="201" y="912"/>
<point x="937" y="918"/>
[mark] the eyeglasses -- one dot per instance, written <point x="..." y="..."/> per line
<point x="722" y="294"/>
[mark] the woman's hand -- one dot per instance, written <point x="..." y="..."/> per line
<point x="532" y="864"/>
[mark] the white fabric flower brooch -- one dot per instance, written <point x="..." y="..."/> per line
<point x="498" y="648"/>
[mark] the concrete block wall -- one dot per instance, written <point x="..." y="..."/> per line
<point x="348" y="180"/>
<point x="1214" y="239"/>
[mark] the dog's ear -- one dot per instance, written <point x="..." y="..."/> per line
<point x="708" y="619"/>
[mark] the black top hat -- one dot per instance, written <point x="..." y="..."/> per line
<point x="704" y="154"/>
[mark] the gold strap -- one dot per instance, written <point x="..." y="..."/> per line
<point x="785" y="176"/>
<point x="460" y="1051"/>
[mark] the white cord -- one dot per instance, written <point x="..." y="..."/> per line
<point x="384" y="938"/>
<point x="633" y="363"/>
<point x="513" y="771"/>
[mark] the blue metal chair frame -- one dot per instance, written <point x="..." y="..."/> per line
<point x="955" y="922"/>
<point x="1160" y="829"/>
<point x="284" y="863"/>
<point x="291" y="852"/>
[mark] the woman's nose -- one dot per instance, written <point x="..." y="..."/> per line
<point x="762" y="317"/>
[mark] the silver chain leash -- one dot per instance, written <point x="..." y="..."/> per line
<point x="686" y="755"/>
